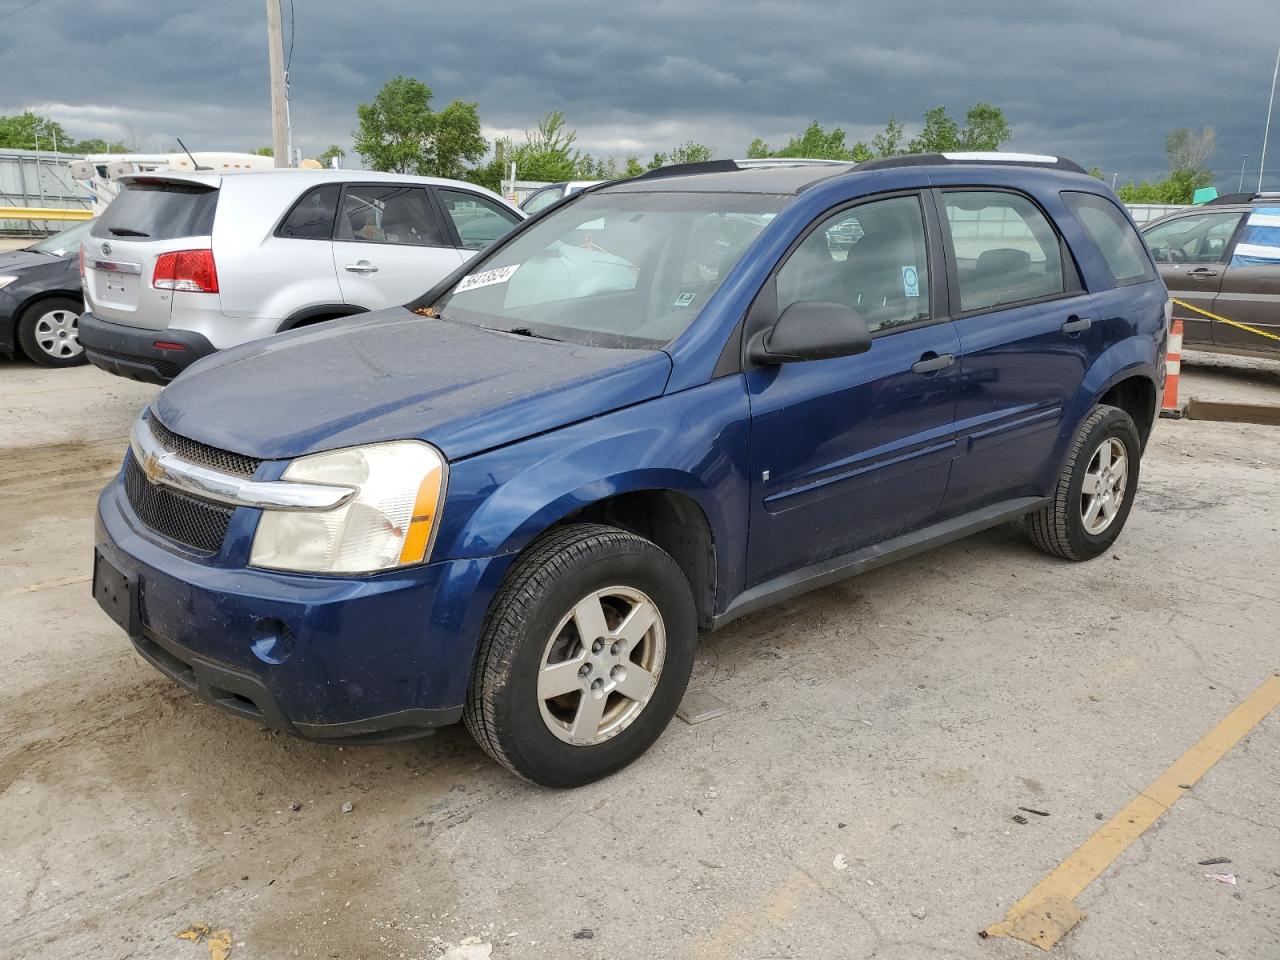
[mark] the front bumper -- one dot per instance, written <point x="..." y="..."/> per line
<point x="132" y="352"/>
<point x="362" y="659"/>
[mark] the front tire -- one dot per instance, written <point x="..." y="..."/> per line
<point x="1095" y="490"/>
<point x="49" y="332"/>
<point x="586" y="653"/>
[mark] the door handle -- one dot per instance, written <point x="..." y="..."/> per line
<point x="1202" y="273"/>
<point x="361" y="266"/>
<point x="933" y="364"/>
<point x="1077" y="325"/>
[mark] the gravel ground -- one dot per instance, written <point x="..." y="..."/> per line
<point x="896" y="721"/>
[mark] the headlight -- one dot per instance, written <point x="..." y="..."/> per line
<point x="5" y="281"/>
<point x="390" y="522"/>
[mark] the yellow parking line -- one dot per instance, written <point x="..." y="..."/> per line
<point x="1045" y="914"/>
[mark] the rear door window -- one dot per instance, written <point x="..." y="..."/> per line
<point x="158" y="210"/>
<point x="1006" y="251"/>
<point x="1120" y="245"/>
<point x="479" y="221"/>
<point x="389" y="213"/>
<point x="312" y="216"/>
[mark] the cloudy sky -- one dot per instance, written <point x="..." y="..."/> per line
<point x="1101" y="81"/>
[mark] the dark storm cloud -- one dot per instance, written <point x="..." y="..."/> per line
<point x="1103" y="82"/>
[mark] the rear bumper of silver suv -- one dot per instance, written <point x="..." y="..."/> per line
<point x="133" y="352"/>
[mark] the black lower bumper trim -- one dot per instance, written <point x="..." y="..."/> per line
<point x="131" y="351"/>
<point x="244" y="695"/>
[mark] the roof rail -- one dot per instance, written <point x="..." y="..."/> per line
<point x="993" y="156"/>
<point x="687" y="169"/>
<point x="789" y="162"/>
<point x="1229" y="198"/>
<point x="726" y="166"/>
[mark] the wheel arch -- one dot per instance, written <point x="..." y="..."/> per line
<point x="1136" y="396"/>
<point x="675" y="522"/>
<point x="318" y="313"/>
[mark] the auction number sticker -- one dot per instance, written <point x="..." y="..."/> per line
<point x="486" y="278"/>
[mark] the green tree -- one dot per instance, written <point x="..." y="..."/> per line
<point x="264" y="152"/>
<point x="691" y="152"/>
<point x="633" y="167"/>
<point x="96" y="145"/>
<point x="985" y="128"/>
<point x="890" y="142"/>
<point x="1188" y="152"/>
<point x="1188" y="149"/>
<point x="940" y="134"/>
<point x="26" y="131"/>
<point x="1179" y="187"/>
<point x="331" y="153"/>
<point x="815" y="143"/>
<point x="400" y="133"/>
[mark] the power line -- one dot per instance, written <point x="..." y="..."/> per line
<point x="288" y="60"/>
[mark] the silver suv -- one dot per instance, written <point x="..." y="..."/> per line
<point x="183" y="264"/>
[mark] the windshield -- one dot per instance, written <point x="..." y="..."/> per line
<point x="613" y="269"/>
<point x="65" y="241"/>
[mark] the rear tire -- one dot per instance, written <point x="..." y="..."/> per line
<point x="49" y="332"/>
<point x="1095" y="490"/>
<point x="586" y="653"/>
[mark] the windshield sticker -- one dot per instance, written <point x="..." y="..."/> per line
<point x="910" y="282"/>
<point x="486" y="278"/>
<point x="685" y="299"/>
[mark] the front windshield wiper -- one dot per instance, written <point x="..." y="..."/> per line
<point x="526" y="332"/>
<point x="126" y="232"/>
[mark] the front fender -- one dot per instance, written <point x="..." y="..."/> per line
<point x="694" y="442"/>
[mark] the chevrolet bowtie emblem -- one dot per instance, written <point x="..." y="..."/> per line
<point x="152" y="468"/>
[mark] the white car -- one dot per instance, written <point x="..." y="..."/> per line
<point x="544" y="197"/>
<point x="183" y="264"/>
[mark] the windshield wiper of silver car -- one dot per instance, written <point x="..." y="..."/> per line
<point x="126" y="232"/>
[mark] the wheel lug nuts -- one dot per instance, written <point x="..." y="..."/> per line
<point x="618" y="673"/>
<point x="616" y="648"/>
<point x="584" y="670"/>
<point x="597" y="646"/>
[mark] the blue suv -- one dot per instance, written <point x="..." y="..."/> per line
<point x="660" y="405"/>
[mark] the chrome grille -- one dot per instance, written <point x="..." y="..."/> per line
<point x="202" y="453"/>
<point x="196" y="523"/>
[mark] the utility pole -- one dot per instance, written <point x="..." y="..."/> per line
<point x="1262" y="162"/>
<point x="279" y="102"/>
<point x="1240" y="187"/>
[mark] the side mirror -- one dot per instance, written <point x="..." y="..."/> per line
<point x="811" y="330"/>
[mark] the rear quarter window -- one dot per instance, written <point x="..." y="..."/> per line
<point x="1119" y="243"/>
<point x="158" y="210"/>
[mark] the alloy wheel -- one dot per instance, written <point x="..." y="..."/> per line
<point x="601" y="665"/>
<point x="1105" y="482"/>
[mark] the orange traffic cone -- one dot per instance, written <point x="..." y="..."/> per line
<point x="1172" y="370"/>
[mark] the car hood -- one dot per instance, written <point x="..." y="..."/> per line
<point x="13" y="261"/>
<point x="394" y="375"/>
